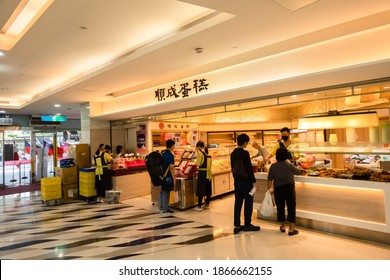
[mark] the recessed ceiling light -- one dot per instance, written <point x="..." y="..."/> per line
<point x="293" y="96"/>
<point x="57" y="105"/>
<point x="2" y="112"/>
<point x="1" y="53"/>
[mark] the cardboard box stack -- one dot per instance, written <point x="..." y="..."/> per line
<point x="51" y="188"/>
<point x="83" y="156"/>
<point x="69" y="178"/>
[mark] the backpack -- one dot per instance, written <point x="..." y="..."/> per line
<point x="154" y="166"/>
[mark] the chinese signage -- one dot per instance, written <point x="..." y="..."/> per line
<point x="184" y="91"/>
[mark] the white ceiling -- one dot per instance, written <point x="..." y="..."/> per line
<point x="83" y="51"/>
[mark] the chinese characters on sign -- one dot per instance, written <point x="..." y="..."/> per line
<point x="184" y="91"/>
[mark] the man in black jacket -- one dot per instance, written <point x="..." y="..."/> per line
<point x="244" y="181"/>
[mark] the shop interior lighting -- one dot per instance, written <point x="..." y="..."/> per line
<point x="252" y="104"/>
<point x="206" y="111"/>
<point x="335" y="119"/>
<point x="23" y="17"/>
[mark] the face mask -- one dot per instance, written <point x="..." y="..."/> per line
<point x="285" y="138"/>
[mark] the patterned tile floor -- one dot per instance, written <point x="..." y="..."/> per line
<point x="134" y="229"/>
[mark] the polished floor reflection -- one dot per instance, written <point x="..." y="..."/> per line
<point x="134" y="229"/>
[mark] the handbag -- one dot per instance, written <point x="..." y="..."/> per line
<point x="171" y="198"/>
<point x="167" y="184"/>
<point x="267" y="206"/>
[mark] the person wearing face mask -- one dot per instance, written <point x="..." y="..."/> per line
<point x="285" y="142"/>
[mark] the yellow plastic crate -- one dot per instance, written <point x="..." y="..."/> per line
<point x="51" y="195"/>
<point x="87" y="192"/>
<point x="50" y="184"/>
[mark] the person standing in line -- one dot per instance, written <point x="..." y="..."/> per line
<point x="101" y="160"/>
<point x="285" y="142"/>
<point x="167" y="164"/>
<point x="281" y="175"/>
<point x="244" y="181"/>
<point x="203" y="162"/>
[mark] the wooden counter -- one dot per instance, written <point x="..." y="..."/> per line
<point x="132" y="182"/>
<point x="355" y="208"/>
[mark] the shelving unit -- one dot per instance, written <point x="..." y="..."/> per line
<point x="222" y="139"/>
<point x="270" y="138"/>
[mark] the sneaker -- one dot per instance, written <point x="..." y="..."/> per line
<point x="206" y="206"/>
<point x="197" y="208"/>
<point x="170" y="211"/>
<point x="98" y="199"/>
<point x="166" y="214"/>
<point x="238" y="229"/>
<point x="102" y="200"/>
<point x="251" y="228"/>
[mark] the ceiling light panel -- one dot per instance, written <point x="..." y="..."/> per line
<point x="23" y="17"/>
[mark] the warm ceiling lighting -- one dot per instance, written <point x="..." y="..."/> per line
<point x="369" y="119"/>
<point x="57" y="105"/>
<point x="24" y="16"/>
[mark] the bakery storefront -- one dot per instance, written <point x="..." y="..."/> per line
<point x="340" y="136"/>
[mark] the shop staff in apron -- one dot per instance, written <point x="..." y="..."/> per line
<point x="285" y="142"/>
<point x="101" y="159"/>
<point x="203" y="162"/>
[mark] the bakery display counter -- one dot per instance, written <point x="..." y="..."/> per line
<point x="354" y="208"/>
<point x="131" y="182"/>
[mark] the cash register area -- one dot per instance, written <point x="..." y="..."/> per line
<point x="135" y="230"/>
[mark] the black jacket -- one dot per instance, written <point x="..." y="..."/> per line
<point x="239" y="154"/>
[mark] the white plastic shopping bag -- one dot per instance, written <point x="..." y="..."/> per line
<point x="267" y="206"/>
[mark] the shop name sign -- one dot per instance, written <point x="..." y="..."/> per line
<point x="185" y="90"/>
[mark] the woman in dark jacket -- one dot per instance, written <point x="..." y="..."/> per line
<point x="281" y="174"/>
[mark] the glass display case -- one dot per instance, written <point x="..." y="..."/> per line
<point x="358" y="160"/>
<point x="222" y="179"/>
<point x="221" y="159"/>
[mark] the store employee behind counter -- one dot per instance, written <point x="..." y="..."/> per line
<point x="284" y="143"/>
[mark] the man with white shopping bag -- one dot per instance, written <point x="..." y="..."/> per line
<point x="244" y="181"/>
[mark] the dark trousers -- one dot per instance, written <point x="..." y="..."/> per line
<point x="285" y="195"/>
<point x="241" y="193"/>
<point x="103" y="182"/>
<point x="208" y="194"/>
